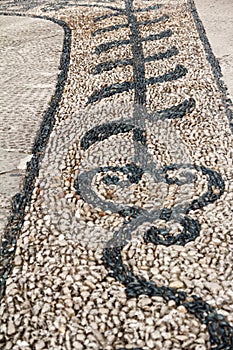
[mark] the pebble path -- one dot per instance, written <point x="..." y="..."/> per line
<point x="123" y="230"/>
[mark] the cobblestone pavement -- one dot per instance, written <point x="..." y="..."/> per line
<point x="28" y="73"/>
<point x="218" y="22"/>
<point x="123" y="228"/>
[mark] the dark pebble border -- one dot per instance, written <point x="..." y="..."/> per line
<point x="21" y="200"/>
<point x="221" y="333"/>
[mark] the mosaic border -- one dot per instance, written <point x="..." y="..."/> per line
<point x="21" y="200"/>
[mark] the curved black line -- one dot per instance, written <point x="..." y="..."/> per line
<point x="220" y="331"/>
<point x="109" y="65"/>
<point x="118" y="9"/>
<point x="179" y="72"/>
<point x="120" y="26"/>
<point x="110" y="91"/>
<point x="191" y="230"/>
<point x="149" y="8"/>
<point x="107" y="46"/>
<point x="174" y="112"/>
<point x="110" y="15"/>
<point x="102" y="132"/>
<point x="215" y="190"/>
<point x="163" y="18"/>
<point x="83" y="186"/>
<point x="58" y="6"/>
<point x="109" y="29"/>
<point x="121" y="11"/>
<point x="166" y="34"/>
<point x="191" y="227"/>
<point x="21" y="200"/>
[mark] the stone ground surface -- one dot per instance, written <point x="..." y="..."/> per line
<point x="217" y="17"/>
<point x="136" y="180"/>
<point x="30" y="51"/>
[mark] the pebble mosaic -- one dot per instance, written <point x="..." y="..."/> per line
<point x="122" y="237"/>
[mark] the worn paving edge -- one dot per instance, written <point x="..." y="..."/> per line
<point x="21" y="200"/>
<point x="213" y="61"/>
<point x="145" y="303"/>
<point x="29" y="70"/>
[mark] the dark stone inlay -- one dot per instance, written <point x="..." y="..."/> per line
<point x="111" y="90"/>
<point x="111" y="180"/>
<point x="120" y="26"/>
<point x="109" y="65"/>
<point x="134" y="172"/>
<point x="110" y="15"/>
<point x="136" y="286"/>
<point x="21" y="200"/>
<point x="179" y="72"/>
<point x="139" y="135"/>
<point x="57" y="6"/>
<point x="191" y="227"/>
<point x="107" y="46"/>
<point x="149" y="8"/>
<point x="109" y="29"/>
<point x="63" y="4"/>
<point x="83" y="186"/>
<point x="102" y="132"/>
<point x="215" y="190"/>
<point x="191" y="230"/>
<point x="220" y="332"/>
<point x="177" y="111"/>
<point x="130" y="212"/>
<point x="137" y="52"/>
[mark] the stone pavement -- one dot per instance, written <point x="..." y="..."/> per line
<point x="123" y="227"/>
<point x="217" y="17"/>
<point x="30" y="53"/>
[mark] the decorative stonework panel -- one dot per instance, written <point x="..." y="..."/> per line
<point x="126" y="242"/>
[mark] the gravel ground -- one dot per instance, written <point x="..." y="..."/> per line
<point x="126" y="243"/>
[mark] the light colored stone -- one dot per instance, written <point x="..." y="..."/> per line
<point x="11" y="328"/>
<point x="177" y="284"/>
<point x="40" y="345"/>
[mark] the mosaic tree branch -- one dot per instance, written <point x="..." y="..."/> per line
<point x="120" y="26"/>
<point x="220" y="332"/>
<point x="118" y="88"/>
